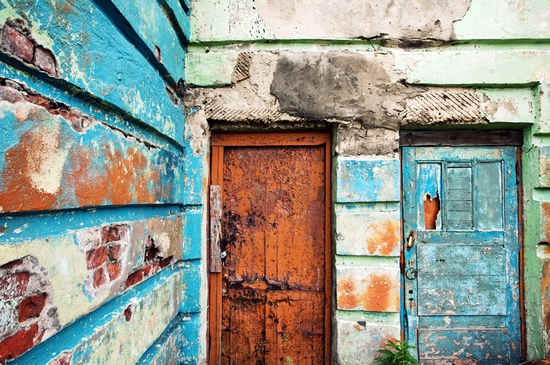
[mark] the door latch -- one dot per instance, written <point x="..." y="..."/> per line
<point x="410" y="273"/>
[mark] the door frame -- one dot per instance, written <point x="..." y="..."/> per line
<point x="218" y="142"/>
<point x="469" y="138"/>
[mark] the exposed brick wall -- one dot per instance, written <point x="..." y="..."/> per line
<point x="18" y="41"/>
<point x="27" y="313"/>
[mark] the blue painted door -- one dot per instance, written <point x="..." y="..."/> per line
<point x="461" y="299"/>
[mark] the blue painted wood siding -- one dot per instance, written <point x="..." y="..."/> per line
<point x="461" y="297"/>
<point x="93" y="142"/>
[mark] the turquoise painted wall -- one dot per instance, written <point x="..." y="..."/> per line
<point x="101" y="208"/>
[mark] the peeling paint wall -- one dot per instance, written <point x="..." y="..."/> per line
<point x="367" y="70"/>
<point x="101" y="186"/>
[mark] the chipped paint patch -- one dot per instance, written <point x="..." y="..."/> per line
<point x="373" y="289"/>
<point x="358" y="341"/>
<point x="373" y="233"/>
<point x="368" y="180"/>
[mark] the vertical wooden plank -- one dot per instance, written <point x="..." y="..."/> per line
<point x="215" y="228"/>
<point x="215" y="278"/>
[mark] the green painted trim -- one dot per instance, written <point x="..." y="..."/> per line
<point x="378" y="318"/>
<point x="366" y="261"/>
<point x="532" y="298"/>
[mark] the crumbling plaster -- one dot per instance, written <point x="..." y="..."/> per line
<point x="367" y="95"/>
<point x="249" y="20"/>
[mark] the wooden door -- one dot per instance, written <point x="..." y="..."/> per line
<point x="270" y="302"/>
<point x="462" y="297"/>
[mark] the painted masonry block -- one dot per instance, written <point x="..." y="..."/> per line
<point x="119" y="332"/>
<point x="194" y="178"/>
<point x="86" y="57"/>
<point x="544" y="167"/>
<point x="367" y="180"/>
<point x="193" y="233"/>
<point x="368" y="233"/>
<point x="375" y="288"/>
<point x="69" y="160"/>
<point x="358" y="341"/>
<point x="53" y="281"/>
<point x="191" y="285"/>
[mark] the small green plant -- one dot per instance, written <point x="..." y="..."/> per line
<point x="396" y="352"/>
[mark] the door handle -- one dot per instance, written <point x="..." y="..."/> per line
<point x="410" y="240"/>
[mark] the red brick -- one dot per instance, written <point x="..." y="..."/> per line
<point x="114" y="252"/>
<point x="114" y="270"/>
<point x="19" y="343"/>
<point x="65" y="358"/>
<point x="99" y="277"/>
<point x="147" y="270"/>
<point x="31" y="307"/>
<point x="17" y="44"/>
<point x="134" y="278"/>
<point x="13" y="286"/>
<point x="128" y="313"/>
<point x="44" y="60"/>
<point x="165" y="262"/>
<point x="113" y="233"/>
<point x="96" y="257"/>
<point x="14" y="263"/>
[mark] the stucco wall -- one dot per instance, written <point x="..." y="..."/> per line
<point x="101" y="209"/>
<point x="367" y="70"/>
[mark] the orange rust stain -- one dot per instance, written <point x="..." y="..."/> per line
<point x="18" y="193"/>
<point x="91" y="188"/>
<point x="378" y="296"/>
<point x="384" y="237"/>
<point x="545" y="211"/>
<point x="358" y="328"/>
<point x="346" y="298"/>
<point x="119" y="174"/>
<point x="431" y="210"/>
<point x="130" y="174"/>
<point x="545" y="283"/>
<point x="125" y="179"/>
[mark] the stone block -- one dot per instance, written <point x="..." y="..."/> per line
<point x="375" y="288"/>
<point x="368" y="233"/>
<point x="367" y="180"/>
<point x="358" y="341"/>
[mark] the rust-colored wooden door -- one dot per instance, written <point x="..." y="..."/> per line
<point x="273" y="291"/>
